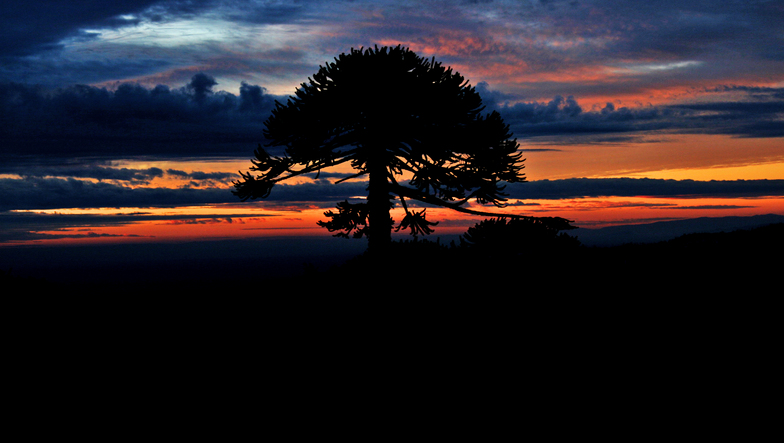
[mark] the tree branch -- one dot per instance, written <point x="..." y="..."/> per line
<point x="410" y="193"/>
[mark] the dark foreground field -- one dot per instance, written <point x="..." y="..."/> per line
<point x="741" y="260"/>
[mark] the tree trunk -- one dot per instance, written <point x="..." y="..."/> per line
<point x="380" y="228"/>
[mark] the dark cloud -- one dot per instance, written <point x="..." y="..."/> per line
<point x="553" y="36"/>
<point x="52" y="193"/>
<point x="30" y="28"/>
<point x="132" y="120"/>
<point x="321" y="190"/>
<point x="758" y="113"/>
<point x="739" y="118"/>
<point x="56" y="72"/>
<point x="84" y="171"/>
<point x="618" y="30"/>
<point x="705" y="29"/>
<point x="201" y="86"/>
<point x="198" y="175"/>
<point x="643" y="187"/>
<point x="292" y="11"/>
<point x="25" y="226"/>
<point x="565" y="117"/>
<point x="194" y="121"/>
<point x="37" y="42"/>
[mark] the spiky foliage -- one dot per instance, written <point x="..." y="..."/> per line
<point x="525" y="235"/>
<point x="390" y="114"/>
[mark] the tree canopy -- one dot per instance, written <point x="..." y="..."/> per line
<point x="413" y="126"/>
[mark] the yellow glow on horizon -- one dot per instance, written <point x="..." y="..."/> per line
<point x="692" y="157"/>
<point x="709" y="157"/>
<point x="610" y="211"/>
<point x="769" y="171"/>
<point x="222" y="222"/>
<point x="205" y="210"/>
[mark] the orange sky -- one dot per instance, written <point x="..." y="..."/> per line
<point x="677" y="156"/>
<point x="176" y="98"/>
<point x="694" y="157"/>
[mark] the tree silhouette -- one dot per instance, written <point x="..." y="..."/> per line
<point x="394" y="116"/>
<point x="537" y="236"/>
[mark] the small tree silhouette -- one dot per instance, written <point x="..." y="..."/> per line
<point x="391" y="114"/>
<point x="532" y="235"/>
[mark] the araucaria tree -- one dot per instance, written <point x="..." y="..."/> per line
<point x="413" y="126"/>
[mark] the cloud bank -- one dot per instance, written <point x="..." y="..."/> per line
<point x="51" y="193"/>
<point x="132" y="120"/>
<point x="195" y="121"/>
<point x="754" y="112"/>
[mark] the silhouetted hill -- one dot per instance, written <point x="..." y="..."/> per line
<point x="741" y="259"/>
<point x="745" y="260"/>
<point x="667" y="230"/>
<point x="701" y="263"/>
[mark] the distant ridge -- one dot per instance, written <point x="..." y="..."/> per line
<point x="668" y="230"/>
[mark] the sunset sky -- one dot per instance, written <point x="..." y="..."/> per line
<point x="128" y="120"/>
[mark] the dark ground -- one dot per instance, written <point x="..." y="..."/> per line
<point x="741" y="260"/>
<point x="675" y="318"/>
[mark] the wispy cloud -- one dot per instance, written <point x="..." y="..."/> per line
<point x="511" y="44"/>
